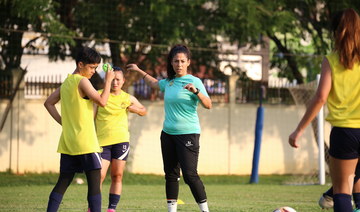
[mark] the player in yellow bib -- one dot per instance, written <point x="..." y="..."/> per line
<point x="78" y="143"/>
<point x="339" y="87"/>
<point x="113" y="134"/>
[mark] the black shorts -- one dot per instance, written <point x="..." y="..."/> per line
<point x="344" y="143"/>
<point x="116" y="151"/>
<point x="80" y="163"/>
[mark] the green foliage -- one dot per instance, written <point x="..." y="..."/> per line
<point x="143" y="31"/>
<point x="20" y="16"/>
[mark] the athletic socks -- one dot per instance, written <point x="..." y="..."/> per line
<point x="113" y="201"/>
<point x="172" y="205"/>
<point x="95" y="203"/>
<point x="342" y="203"/>
<point x="54" y="201"/>
<point x="329" y="192"/>
<point x="203" y="206"/>
<point x="356" y="197"/>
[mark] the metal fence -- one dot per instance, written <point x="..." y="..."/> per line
<point x="6" y="84"/>
<point x="246" y="91"/>
<point x="249" y="92"/>
<point x="217" y="90"/>
<point x="41" y="86"/>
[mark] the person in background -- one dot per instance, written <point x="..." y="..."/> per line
<point x="181" y="128"/>
<point x="339" y="86"/>
<point x="112" y="131"/>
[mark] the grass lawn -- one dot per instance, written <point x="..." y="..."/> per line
<point x="146" y="193"/>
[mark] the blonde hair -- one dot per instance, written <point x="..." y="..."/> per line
<point x="346" y="29"/>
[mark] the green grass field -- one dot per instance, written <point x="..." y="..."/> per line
<point x="146" y="193"/>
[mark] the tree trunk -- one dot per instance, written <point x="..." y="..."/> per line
<point x="289" y="58"/>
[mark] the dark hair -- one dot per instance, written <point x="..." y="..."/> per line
<point x="117" y="68"/>
<point x="88" y="56"/>
<point x="345" y="26"/>
<point x="175" y="50"/>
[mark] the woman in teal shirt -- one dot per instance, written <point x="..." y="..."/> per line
<point x="181" y="129"/>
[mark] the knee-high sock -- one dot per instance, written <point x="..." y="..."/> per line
<point x="54" y="201"/>
<point x="342" y="203"/>
<point x="113" y="201"/>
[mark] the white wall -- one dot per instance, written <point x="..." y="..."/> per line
<point x="227" y="140"/>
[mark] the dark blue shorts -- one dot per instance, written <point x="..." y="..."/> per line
<point x="116" y="151"/>
<point x="344" y="143"/>
<point x="80" y="163"/>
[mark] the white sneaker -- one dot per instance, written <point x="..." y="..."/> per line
<point x="326" y="202"/>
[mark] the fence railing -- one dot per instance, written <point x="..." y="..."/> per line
<point x="41" y="86"/>
<point x="217" y="90"/>
<point x="6" y="84"/>
<point x="249" y="92"/>
<point x="246" y="91"/>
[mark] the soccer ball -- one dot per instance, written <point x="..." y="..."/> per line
<point x="285" y="209"/>
<point x="79" y="181"/>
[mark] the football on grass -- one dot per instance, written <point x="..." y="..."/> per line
<point x="79" y="181"/>
<point x="285" y="209"/>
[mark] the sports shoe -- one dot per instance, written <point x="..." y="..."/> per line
<point x="326" y="202"/>
<point x="356" y="210"/>
<point x="110" y="210"/>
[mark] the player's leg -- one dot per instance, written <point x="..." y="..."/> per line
<point x="92" y="167"/>
<point x="105" y="161"/>
<point x="356" y="189"/>
<point x="171" y="169"/>
<point x="188" y="154"/>
<point x="326" y="199"/>
<point x="58" y="191"/>
<point x="119" y="155"/>
<point x="344" y="145"/>
<point x="342" y="175"/>
<point x="117" y="170"/>
<point x="67" y="172"/>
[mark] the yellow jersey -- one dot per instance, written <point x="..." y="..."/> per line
<point x="112" y="120"/>
<point x="78" y="129"/>
<point x="344" y="98"/>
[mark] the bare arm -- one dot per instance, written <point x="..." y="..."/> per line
<point x="86" y="89"/>
<point x="50" y="105"/>
<point x="204" y="100"/>
<point x="151" y="81"/>
<point x="136" y="107"/>
<point x="315" y="104"/>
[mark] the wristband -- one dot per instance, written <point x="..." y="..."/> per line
<point x="197" y="91"/>
<point x="145" y="75"/>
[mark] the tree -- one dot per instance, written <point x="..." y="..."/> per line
<point x="20" y="16"/>
<point x="143" y="31"/>
<point x="289" y="24"/>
